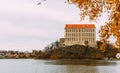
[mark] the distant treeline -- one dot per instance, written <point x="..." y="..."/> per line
<point x="54" y="51"/>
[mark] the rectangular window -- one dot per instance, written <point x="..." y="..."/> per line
<point x="79" y="34"/>
<point x="79" y="30"/>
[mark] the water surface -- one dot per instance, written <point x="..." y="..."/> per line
<point x="58" y="66"/>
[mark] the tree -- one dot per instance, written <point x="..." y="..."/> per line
<point x="94" y="8"/>
<point x="86" y="43"/>
<point x="56" y="43"/>
<point x="99" y="43"/>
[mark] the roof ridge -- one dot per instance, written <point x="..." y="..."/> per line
<point x="80" y="26"/>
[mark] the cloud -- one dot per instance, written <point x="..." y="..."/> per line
<point x="25" y="26"/>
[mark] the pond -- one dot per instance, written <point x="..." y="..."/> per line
<point x="58" y="66"/>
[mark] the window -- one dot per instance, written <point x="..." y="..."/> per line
<point x="79" y="30"/>
<point x="79" y="34"/>
<point x="93" y="39"/>
<point x="67" y="39"/>
<point x="73" y="30"/>
<point x="66" y="34"/>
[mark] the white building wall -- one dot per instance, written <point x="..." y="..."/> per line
<point x="79" y="36"/>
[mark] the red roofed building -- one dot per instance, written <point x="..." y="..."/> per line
<point x="79" y="34"/>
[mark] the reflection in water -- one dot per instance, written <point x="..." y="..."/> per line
<point x="83" y="66"/>
<point x="82" y="69"/>
<point x="58" y="66"/>
<point x="81" y="62"/>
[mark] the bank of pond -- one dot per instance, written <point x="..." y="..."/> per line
<point x="65" y="52"/>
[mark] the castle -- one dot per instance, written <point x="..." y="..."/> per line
<point x="81" y="34"/>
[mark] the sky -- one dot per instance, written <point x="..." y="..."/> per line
<point x="25" y="26"/>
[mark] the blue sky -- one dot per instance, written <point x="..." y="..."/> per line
<point x="24" y="25"/>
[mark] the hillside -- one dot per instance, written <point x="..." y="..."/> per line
<point x="76" y="52"/>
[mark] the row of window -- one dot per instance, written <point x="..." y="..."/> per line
<point x="79" y="34"/>
<point x="80" y="30"/>
<point x="79" y="39"/>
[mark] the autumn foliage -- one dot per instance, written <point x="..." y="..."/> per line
<point x="78" y="52"/>
<point x="94" y="8"/>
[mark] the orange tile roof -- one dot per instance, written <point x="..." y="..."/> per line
<point x="79" y="26"/>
